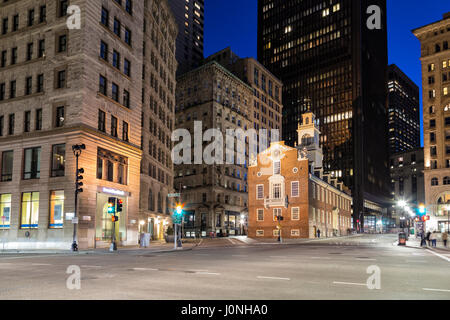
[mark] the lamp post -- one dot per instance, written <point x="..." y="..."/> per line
<point x="77" y="149"/>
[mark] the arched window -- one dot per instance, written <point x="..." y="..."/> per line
<point x="446" y="181"/>
<point x="307" y="140"/>
<point x="151" y="201"/>
<point x="434" y="182"/>
<point x="160" y="207"/>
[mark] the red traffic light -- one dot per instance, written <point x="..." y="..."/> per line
<point x="114" y="218"/>
<point x="426" y="218"/>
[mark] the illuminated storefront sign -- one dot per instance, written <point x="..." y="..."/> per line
<point x="115" y="192"/>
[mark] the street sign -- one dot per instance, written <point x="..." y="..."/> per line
<point x="173" y="195"/>
<point x="75" y="220"/>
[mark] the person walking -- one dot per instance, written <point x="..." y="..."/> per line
<point x="428" y="238"/>
<point x="445" y="238"/>
<point x="318" y="233"/>
<point x="433" y="238"/>
<point x="422" y="240"/>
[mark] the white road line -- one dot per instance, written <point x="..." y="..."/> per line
<point x="438" y="290"/>
<point x="439" y="255"/>
<point x="144" y="269"/>
<point x="41" y="264"/>
<point x="350" y="283"/>
<point x="274" y="278"/>
<point x="209" y="273"/>
<point x="363" y="259"/>
<point x="91" y="267"/>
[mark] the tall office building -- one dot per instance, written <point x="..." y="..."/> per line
<point x="215" y="195"/>
<point x="265" y="112"/>
<point x="434" y="39"/>
<point x="190" y="17"/>
<point x="403" y="112"/>
<point x="333" y="64"/>
<point x="60" y="87"/>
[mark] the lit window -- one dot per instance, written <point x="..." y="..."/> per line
<point x="56" y="209"/>
<point x="5" y="211"/>
<point x="30" y="210"/>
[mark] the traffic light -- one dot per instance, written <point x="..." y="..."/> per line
<point x="422" y="209"/>
<point x="426" y="218"/>
<point x="179" y="209"/>
<point x="114" y="218"/>
<point x="111" y="205"/>
<point x="78" y="183"/>
<point x="119" y="205"/>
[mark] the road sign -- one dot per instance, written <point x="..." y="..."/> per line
<point x="173" y="195"/>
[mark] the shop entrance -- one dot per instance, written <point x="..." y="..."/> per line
<point x="104" y="224"/>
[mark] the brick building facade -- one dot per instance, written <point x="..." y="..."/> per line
<point x="283" y="181"/>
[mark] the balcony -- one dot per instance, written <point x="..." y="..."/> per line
<point x="281" y="202"/>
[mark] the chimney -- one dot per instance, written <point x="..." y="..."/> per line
<point x="447" y="15"/>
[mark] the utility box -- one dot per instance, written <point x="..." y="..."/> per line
<point x="402" y="239"/>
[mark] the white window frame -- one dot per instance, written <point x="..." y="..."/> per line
<point x="257" y="214"/>
<point x="295" y="233"/>
<point x="276" y="232"/>
<point x="275" y="213"/>
<point x="274" y="162"/>
<point x="292" y="189"/>
<point x="257" y="191"/>
<point x="298" y="213"/>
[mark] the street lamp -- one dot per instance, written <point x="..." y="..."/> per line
<point x="77" y="149"/>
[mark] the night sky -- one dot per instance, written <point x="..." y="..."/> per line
<point x="234" y="23"/>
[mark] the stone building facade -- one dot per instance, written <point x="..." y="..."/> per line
<point x="158" y="118"/>
<point x="214" y="195"/>
<point x="267" y="108"/>
<point x="435" y="57"/>
<point x="59" y="87"/>
<point x="282" y="182"/>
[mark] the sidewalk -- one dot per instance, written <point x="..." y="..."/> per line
<point x="300" y="241"/>
<point x="414" y="242"/>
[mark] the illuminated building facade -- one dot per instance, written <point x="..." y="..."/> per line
<point x="287" y="182"/>
<point x="215" y="195"/>
<point x="331" y="63"/>
<point x="190" y="17"/>
<point x="158" y="118"/>
<point x="403" y="112"/>
<point x="435" y="57"/>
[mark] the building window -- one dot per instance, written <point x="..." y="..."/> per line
<point x="56" y="209"/>
<point x="126" y="98"/>
<point x="101" y="121"/>
<point x="27" y="121"/>
<point x="63" y="5"/>
<point x="125" y="131"/>
<point x="115" y="92"/>
<point x="129" y="6"/>
<point x="32" y="163"/>
<point x="41" y="48"/>
<point x="260" y="233"/>
<point x="61" y="79"/>
<point x="295" y="189"/>
<point x="277" y="167"/>
<point x="40" y="83"/>
<point x="99" y="168"/>
<point x="12" y="89"/>
<point x="434" y="182"/>
<point x="114" y="126"/>
<point x="127" y="67"/>
<point x="38" y="124"/>
<point x="128" y="36"/>
<point x="116" y="59"/>
<point x="29" y="51"/>
<point x="42" y="14"/>
<point x="260" y="215"/>
<point x="117" y="27"/>
<point x="104" y="50"/>
<point x="295" y="233"/>
<point x="62" y="43"/>
<point x="151" y="201"/>
<point x="30" y="210"/>
<point x="276" y="190"/>
<point x="7" y="165"/>
<point x="260" y="191"/>
<point x="446" y="181"/>
<point x="105" y="17"/>
<point x="58" y="160"/>
<point x="11" y="124"/>
<point x="295" y="213"/>
<point x="59" y="117"/>
<point x="5" y="211"/>
<point x="102" y="85"/>
<point x="276" y="213"/>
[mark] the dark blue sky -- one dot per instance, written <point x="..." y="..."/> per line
<point x="234" y="23"/>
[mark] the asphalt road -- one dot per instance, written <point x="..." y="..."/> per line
<point x="326" y="269"/>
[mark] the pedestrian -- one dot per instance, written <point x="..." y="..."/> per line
<point x="318" y="233"/>
<point x="433" y="238"/>
<point x="422" y="240"/>
<point x="428" y="238"/>
<point x="445" y="238"/>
